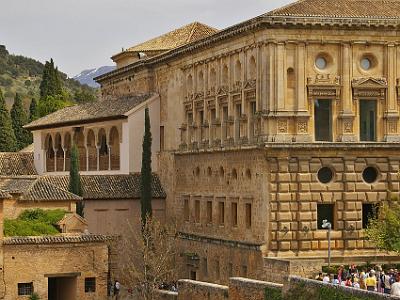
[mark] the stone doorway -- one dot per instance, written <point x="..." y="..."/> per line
<point x="62" y="286"/>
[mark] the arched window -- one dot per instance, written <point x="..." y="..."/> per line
<point x="213" y="78"/>
<point x="252" y="68"/>
<point x="115" y="149"/>
<point x="79" y="139"/>
<point x="225" y="74"/>
<point x="49" y="153"/>
<point x="59" y="154"/>
<point x="238" y="71"/>
<point x="189" y="84"/>
<point x="200" y="82"/>
<point x="67" y="149"/>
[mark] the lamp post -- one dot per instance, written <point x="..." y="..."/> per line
<point x="326" y="224"/>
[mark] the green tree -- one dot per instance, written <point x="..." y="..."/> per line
<point x="7" y="137"/>
<point x="50" y="104"/>
<point x="33" y="110"/>
<point x="384" y="230"/>
<point x="75" y="186"/>
<point x="19" y="119"/>
<point x="146" y="176"/>
<point x="51" y="84"/>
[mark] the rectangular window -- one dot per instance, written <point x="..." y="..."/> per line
<point x="244" y="271"/>
<point x="367" y="120"/>
<point x="186" y="210"/>
<point x="190" y="118"/>
<point x="221" y="206"/>
<point x="248" y="215"/>
<point x="90" y="285"/>
<point x="197" y="211"/>
<point x="193" y="275"/>
<point x="253" y="108"/>
<point x="205" y="267"/>
<point x="230" y="269"/>
<point x="323" y="120"/>
<point x="161" y="138"/>
<point x="209" y="212"/>
<point x="25" y="289"/>
<point x="225" y="112"/>
<point x="213" y="115"/>
<point x="325" y="212"/>
<point x="369" y="211"/>
<point x="238" y="110"/>
<point x="234" y="215"/>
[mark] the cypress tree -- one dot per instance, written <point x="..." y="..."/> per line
<point x="19" y="118"/>
<point x="33" y="110"/>
<point x="75" y="180"/>
<point x="146" y="176"/>
<point x="51" y="84"/>
<point x="8" y="142"/>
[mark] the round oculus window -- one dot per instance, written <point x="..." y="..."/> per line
<point x="370" y="174"/>
<point x="366" y="63"/>
<point x="325" y="175"/>
<point x="321" y="63"/>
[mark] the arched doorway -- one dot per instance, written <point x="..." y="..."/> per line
<point x="59" y="153"/>
<point x="49" y="153"/>
<point x="79" y="139"/>
<point x="103" y="151"/>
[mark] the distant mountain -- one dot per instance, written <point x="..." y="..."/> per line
<point x="86" y="77"/>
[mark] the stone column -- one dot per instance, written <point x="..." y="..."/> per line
<point x="98" y="156"/>
<point x="280" y="76"/>
<point x="109" y="158"/>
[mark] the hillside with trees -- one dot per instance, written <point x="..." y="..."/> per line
<point x="32" y="90"/>
<point x="23" y="76"/>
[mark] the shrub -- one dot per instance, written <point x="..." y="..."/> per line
<point x="34" y="296"/>
<point x="34" y="222"/>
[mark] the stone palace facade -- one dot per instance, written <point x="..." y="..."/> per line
<point x="265" y="129"/>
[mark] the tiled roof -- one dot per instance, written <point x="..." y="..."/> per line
<point x="104" y="109"/>
<point x="16" y="163"/>
<point x="55" y="239"/>
<point x="176" y="38"/>
<point x="380" y="9"/>
<point x="36" y="189"/>
<point x="110" y="186"/>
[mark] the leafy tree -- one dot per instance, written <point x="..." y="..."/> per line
<point x="33" y="110"/>
<point x="19" y="119"/>
<point x="75" y="186"/>
<point x="50" y="104"/>
<point x="384" y="230"/>
<point x="146" y="176"/>
<point x="7" y="136"/>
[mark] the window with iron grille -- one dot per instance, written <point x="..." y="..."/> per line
<point x="90" y="285"/>
<point x="25" y="289"/>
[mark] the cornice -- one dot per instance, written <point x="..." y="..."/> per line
<point x="289" y="22"/>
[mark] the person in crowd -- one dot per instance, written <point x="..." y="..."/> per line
<point x="395" y="288"/>
<point x="326" y="279"/>
<point x="356" y="283"/>
<point x="371" y="282"/>
<point x="363" y="286"/>
<point x="335" y="280"/>
<point x="319" y="277"/>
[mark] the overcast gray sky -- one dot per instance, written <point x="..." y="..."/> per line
<point x="83" y="34"/>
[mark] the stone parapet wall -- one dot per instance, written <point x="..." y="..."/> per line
<point x="314" y="287"/>
<point x="245" y="288"/>
<point x="197" y="290"/>
<point x="165" y="295"/>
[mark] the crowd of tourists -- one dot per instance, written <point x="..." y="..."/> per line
<point x="372" y="279"/>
